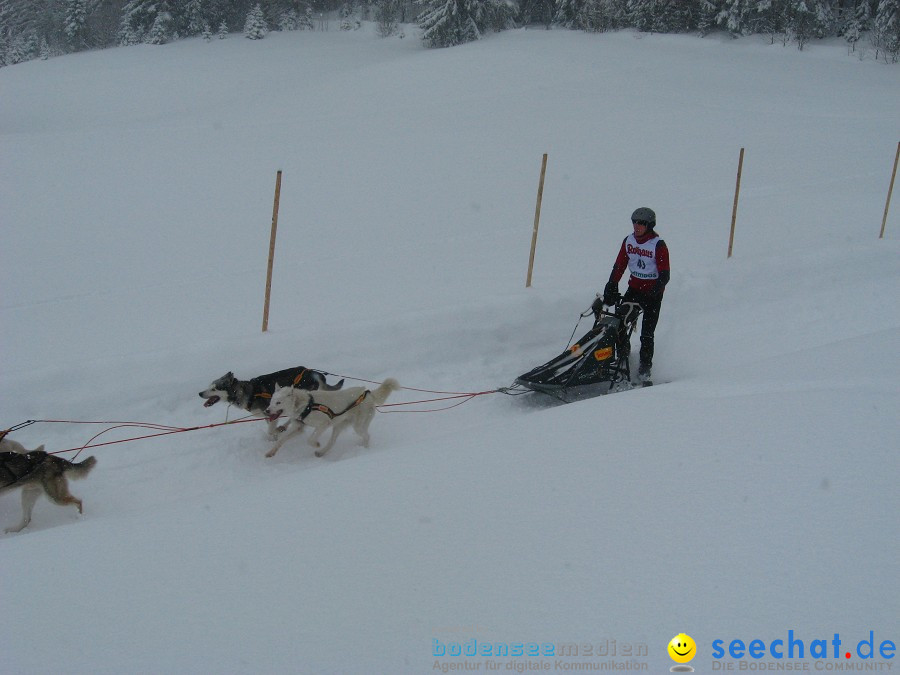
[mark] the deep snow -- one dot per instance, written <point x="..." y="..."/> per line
<point x="754" y="494"/>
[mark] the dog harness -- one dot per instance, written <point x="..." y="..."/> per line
<point x="15" y="468"/>
<point x="312" y="406"/>
<point x="295" y="383"/>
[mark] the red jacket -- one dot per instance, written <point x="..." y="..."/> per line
<point x="662" y="264"/>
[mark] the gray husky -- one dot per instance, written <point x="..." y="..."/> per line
<point x="35" y="472"/>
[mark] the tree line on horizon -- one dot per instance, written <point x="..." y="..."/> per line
<point x="31" y="29"/>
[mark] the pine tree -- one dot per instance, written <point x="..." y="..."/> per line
<point x="255" y="27"/>
<point x="537" y="12"/>
<point x="193" y="18"/>
<point x="446" y="23"/>
<point x="735" y="16"/>
<point x="387" y="13"/>
<point x="852" y="33"/>
<point x="150" y="20"/>
<point x="498" y="15"/>
<point x="138" y="16"/>
<point x="661" y="16"/>
<point x="825" y="21"/>
<point x="766" y="18"/>
<point x="74" y="23"/>
<point x="679" y="17"/>
<point x="289" y="20"/>
<point x="161" y="30"/>
<point x="706" y="16"/>
<point x="223" y="30"/>
<point x="306" y="19"/>
<point x="594" y="16"/>
<point x="801" y="22"/>
<point x="569" y="13"/>
<point x="351" y="20"/>
<point x="21" y="49"/>
<point x="641" y="13"/>
<point x="864" y="14"/>
<point x="886" y="30"/>
<point x="128" y="36"/>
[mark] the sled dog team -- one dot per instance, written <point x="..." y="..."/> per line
<point x="304" y="397"/>
<point x="300" y="395"/>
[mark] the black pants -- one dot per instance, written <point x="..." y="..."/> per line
<point x="650" y="306"/>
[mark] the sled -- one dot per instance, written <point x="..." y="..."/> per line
<point x="596" y="364"/>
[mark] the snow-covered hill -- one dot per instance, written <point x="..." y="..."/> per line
<point x="752" y="495"/>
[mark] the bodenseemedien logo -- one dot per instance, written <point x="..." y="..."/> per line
<point x="682" y="649"/>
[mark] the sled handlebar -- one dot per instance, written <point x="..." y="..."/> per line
<point x="630" y="305"/>
<point x="628" y="312"/>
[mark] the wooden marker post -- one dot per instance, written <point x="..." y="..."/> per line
<point x="887" y="204"/>
<point x="537" y="220"/>
<point x="737" y="192"/>
<point x="265" y="324"/>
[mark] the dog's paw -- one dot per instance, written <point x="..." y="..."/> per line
<point x="319" y="453"/>
<point x="271" y="453"/>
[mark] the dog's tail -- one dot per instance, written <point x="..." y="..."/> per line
<point x="381" y="394"/>
<point x="333" y="387"/>
<point x="81" y="469"/>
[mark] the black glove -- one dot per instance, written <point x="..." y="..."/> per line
<point x="597" y="306"/>
<point x="659" y="286"/>
<point x="611" y="293"/>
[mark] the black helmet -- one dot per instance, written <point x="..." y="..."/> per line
<point x="644" y="216"/>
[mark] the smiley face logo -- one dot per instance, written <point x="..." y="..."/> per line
<point x="682" y="648"/>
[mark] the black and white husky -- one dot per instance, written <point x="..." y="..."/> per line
<point x="254" y="395"/>
<point x="37" y="472"/>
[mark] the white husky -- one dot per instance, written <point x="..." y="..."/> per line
<point x="323" y="409"/>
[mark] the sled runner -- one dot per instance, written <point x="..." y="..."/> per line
<point x="596" y="364"/>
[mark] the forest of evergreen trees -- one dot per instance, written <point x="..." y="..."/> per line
<point x="31" y="29"/>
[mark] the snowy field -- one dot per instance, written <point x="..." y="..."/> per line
<point x="753" y="494"/>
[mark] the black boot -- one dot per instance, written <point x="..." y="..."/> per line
<point x="646" y="359"/>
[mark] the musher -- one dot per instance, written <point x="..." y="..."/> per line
<point x="647" y="258"/>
